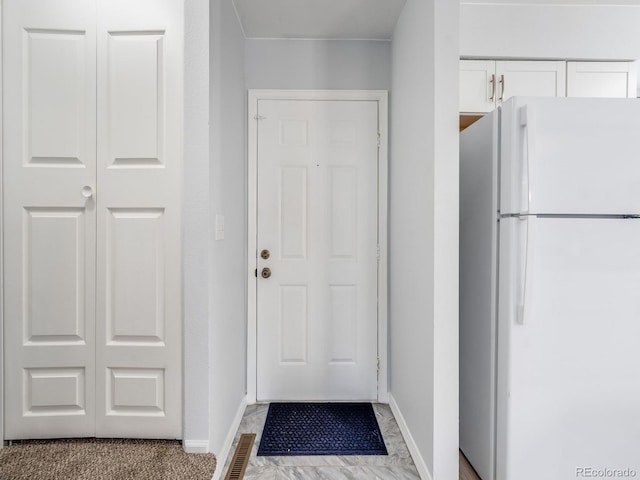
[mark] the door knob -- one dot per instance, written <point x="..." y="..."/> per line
<point x="87" y="191"/>
<point x="266" y="272"/>
<point x="265" y="254"/>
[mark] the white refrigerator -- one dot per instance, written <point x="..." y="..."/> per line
<point x="550" y="290"/>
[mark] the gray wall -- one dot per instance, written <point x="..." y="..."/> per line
<point x="195" y="234"/>
<point x="423" y="231"/>
<point x="318" y="64"/>
<point x="228" y="197"/>
<point x="214" y="183"/>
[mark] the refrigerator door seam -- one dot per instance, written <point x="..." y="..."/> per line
<point x="570" y="215"/>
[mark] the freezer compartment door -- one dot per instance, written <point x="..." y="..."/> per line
<point x="570" y="156"/>
<point x="568" y="394"/>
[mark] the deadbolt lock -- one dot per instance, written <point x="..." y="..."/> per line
<point x="265" y="254"/>
<point x="266" y="272"/>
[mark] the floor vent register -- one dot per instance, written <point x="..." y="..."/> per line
<point x="241" y="456"/>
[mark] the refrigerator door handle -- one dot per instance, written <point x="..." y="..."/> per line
<point x="528" y="139"/>
<point x="526" y="229"/>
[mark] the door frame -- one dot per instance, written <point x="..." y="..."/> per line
<point x="380" y="96"/>
<point x="2" y="441"/>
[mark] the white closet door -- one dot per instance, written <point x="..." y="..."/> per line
<point x="49" y="220"/>
<point x="92" y="172"/>
<point x="138" y="337"/>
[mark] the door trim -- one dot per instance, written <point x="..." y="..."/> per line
<point x="2" y="442"/>
<point x="380" y="96"/>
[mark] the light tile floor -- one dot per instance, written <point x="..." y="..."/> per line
<point x="398" y="465"/>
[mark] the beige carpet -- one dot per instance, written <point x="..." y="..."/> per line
<point x="91" y="459"/>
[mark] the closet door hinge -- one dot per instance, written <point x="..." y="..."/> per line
<point x="379" y="135"/>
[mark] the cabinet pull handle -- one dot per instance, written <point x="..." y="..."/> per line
<point x="493" y="87"/>
<point x="502" y="84"/>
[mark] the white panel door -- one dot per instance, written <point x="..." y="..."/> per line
<point x="530" y="79"/>
<point x="602" y="79"/>
<point x="92" y="174"/>
<point x="49" y="225"/>
<point x="138" y="339"/>
<point x="317" y="217"/>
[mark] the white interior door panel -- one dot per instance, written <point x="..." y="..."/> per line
<point x="49" y="155"/>
<point x="138" y="339"/>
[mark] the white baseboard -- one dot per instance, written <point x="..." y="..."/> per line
<point x="221" y="458"/>
<point x="421" y="465"/>
<point x="196" y="446"/>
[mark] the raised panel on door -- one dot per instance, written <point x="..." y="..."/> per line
<point x="135" y="98"/>
<point x="135" y="282"/>
<point x="530" y="79"/>
<point x="602" y="79"/>
<point x="317" y="215"/>
<point x="138" y="337"/>
<point x="49" y="226"/>
<point x="48" y="279"/>
<point x="477" y="86"/>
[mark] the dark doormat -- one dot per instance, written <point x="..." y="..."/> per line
<point x="321" y="429"/>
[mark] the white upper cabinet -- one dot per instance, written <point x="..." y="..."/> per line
<point x="485" y="84"/>
<point x="477" y="85"/>
<point x="530" y="79"/>
<point x="602" y="79"/>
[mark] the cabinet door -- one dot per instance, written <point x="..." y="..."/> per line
<point x="602" y="79"/>
<point x="530" y="79"/>
<point x="477" y="86"/>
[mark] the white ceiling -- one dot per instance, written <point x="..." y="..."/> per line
<point x="339" y="19"/>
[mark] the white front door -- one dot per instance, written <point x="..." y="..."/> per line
<point x="317" y="226"/>
<point x="91" y="173"/>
